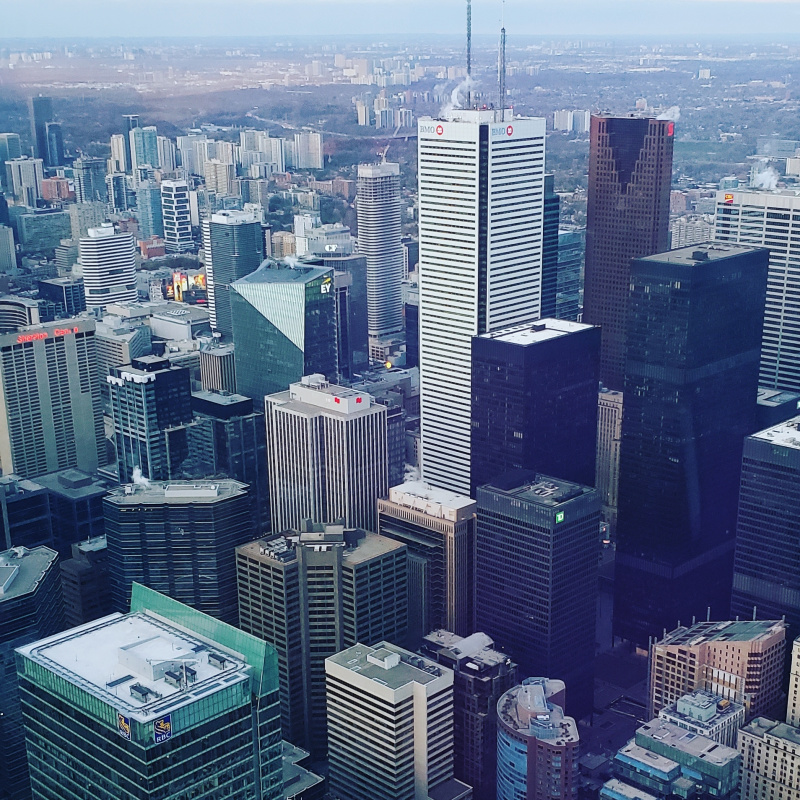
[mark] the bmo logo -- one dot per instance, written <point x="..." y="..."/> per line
<point x="509" y="131"/>
<point x="439" y="130"/>
<point x="428" y="128"/>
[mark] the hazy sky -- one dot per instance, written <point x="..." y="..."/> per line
<point x="127" y="18"/>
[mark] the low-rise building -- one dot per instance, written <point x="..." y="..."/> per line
<point x="708" y="715"/>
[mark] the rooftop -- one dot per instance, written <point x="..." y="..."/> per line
<point x="542" y="490"/>
<point x="730" y="631"/>
<point x="181" y="312"/>
<point x="786" y="434"/>
<point x="655" y="761"/>
<point x="21" y="570"/>
<point x="272" y="271"/>
<point x="684" y="741"/>
<point x="139" y="664"/>
<point x="700" y="253"/>
<point x="234" y="217"/>
<point x="534" y="332"/>
<point x="702" y="708"/>
<point x="432" y="501"/>
<point x="477" y="649"/>
<point x="296" y="779"/>
<point x="777" y="397"/>
<point x="74" y="483"/>
<point x="175" y="492"/>
<point x="221" y="398"/>
<point x="314" y="394"/>
<point x="761" y="726"/>
<point x="616" y="788"/>
<point x="528" y="710"/>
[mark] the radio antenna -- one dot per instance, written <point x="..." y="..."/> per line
<point x="469" y="53"/>
<point x="502" y="65"/>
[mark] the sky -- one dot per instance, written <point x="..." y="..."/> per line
<point x="198" y="18"/>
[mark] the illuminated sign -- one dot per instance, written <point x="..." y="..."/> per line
<point x="124" y="726"/>
<point x="729" y="198"/>
<point x="326" y="286"/>
<point x="559" y="517"/>
<point x="671" y="129"/>
<point x="162" y="729"/>
<point x="23" y="338"/>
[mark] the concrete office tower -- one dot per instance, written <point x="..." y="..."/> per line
<point x="793" y="703"/>
<point x="217" y="368"/>
<point x="144" y="147"/>
<point x="67" y="294"/>
<point x="390" y="726"/>
<point x="379" y="234"/>
<point x="534" y="401"/>
<point x="31" y="607"/>
<point x="609" y="438"/>
<point x="234" y="247"/>
<point x="118" y="161"/>
<point x="770" y="765"/>
<point x="550" y="241"/>
<point x="8" y="251"/>
<point x="481" y="675"/>
<point x="108" y="265"/>
<point x="55" y="145"/>
<point x="630" y="175"/>
<point x="10" y="148"/>
<point x="50" y="401"/>
<point x="119" y="705"/>
<point x="85" y="582"/>
<point x="537" y="745"/>
<point x="438" y="527"/>
<point x="310" y="594"/>
<point x="148" y="396"/>
<point x="308" y="151"/>
<point x="177" y="216"/>
<point x="481" y="205"/>
<point x="538" y="548"/>
<point x="706" y="714"/>
<point x="148" y="210"/>
<point x="167" y="154"/>
<point x="770" y="219"/>
<point x="691" y="379"/>
<point x="24" y="178"/>
<point x="766" y="581"/>
<point x="159" y="535"/>
<point x="284" y="326"/>
<point x="41" y="111"/>
<point x="739" y="661"/>
<point x="327" y="456"/>
<point x="90" y="180"/>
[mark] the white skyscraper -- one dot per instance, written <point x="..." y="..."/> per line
<point x="108" y="264"/>
<point x="771" y="219"/>
<point x="8" y="252"/>
<point x="308" y="151"/>
<point x="167" y="153"/>
<point x="177" y="212"/>
<point x="481" y="200"/>
<point x="379" y="240"/>
<point x="24" y="178"/>
<point x="117" y="161"/>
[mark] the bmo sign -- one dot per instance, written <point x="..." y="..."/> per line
<point x="505" y="130"/>
<point x="437" y="129"/>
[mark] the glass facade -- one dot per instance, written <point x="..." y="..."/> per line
<point x="550" y="243"/>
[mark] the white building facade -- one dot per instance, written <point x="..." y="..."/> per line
<point x="108" y="263"/>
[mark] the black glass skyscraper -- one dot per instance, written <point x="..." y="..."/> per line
<point x="41" y="109"/>
<point x="552" y="206"/>
<point x="534" y="401"/>
<point x="694" y="340"/>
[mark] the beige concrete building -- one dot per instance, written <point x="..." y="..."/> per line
<point x="770" y="760"/>
<point x="609" y="436"/>
<point x="793" y="701"/>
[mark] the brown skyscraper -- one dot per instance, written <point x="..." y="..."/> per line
<point x="630" y="175"/>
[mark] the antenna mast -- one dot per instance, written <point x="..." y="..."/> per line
<point x="502" y="68"/>
<point x="469" y="53"/>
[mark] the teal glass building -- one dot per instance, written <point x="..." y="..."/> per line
<point x="164" y="702"/>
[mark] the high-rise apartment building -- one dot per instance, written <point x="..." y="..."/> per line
<point x="310" y="594"/>
<point x="630" y="175"/>
<point x="24" y="178"/>
<point x="118" y="161"/>
<point x="83" y="216"/>
<point x="234" y="247"/>
<point x="772" y="220"/>
<point x="694" y="334"/>
<point x="177" y="216"/>
<point x="41" y="111"/>
<point x="308" y="151"/>
<point x="327" y="455"/>
<point x="770" y="765"/>
<point x="534" y="401"/>
<point x="31" y="607"/>
<point x="537" y="745"/>
<point x="609" y="438"/>
<point x="481" y="206"/>
<point x="739" y="661"/>
<point x="167" y="154"/>
<point x="390" y="726"/>
<point x="284" y="326"/>
<point x="178" y="538"/>
<point x="8" y="250"/>
<point x="163" y="702"/>
<point x="148" y="396"/>
<point x="379" y="234"/>
<point x="50" y="401"/>
<point x="481" y="675"/>
<point x="10" y="149"/>
<point x="108" y="266"/>
<point x="144" y="147"/>
<point x="536" y="577"/>
<point x="765" y="580"/>
<point x="90" y="180"/>
<point x="438" y="527"/>
<point x="149" y="211"/>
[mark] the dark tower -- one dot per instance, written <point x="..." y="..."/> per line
<point x="552" y="206"/>
<point x="55" y="145"/>
<point x="41" y="109"/>
<point x="630" y="175"/>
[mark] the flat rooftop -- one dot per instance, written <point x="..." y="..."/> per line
<point x="786" y="434"/>
<point x="221" y="398"/>
<point x="542" y="490"/>
<point x="124" y="662"/>
<point x="478" y="647"/>
<point x="701" y="253"/>
<point x="704" y="708"/>
<point x="730" y="631"/>
<point x="175" y="492"/>
<point x="296" y="779"/>
<point x="74" y="483"/>
<point x="761" y="726"/>
<point x="653" y="760"/>
<point x="181" y="312"/>
<point x="21" y="570"/>
<point x="388" y="665"/>
<point x="528" y="710"/>
<point x="426" y="498"/>
<point x="687" y="742"/>
<point x="272" y="271"/>
<point x="616" y="788"/>
<point x="542" y="330"/>
<point x="777" y="397"/>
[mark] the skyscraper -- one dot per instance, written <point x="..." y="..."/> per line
<point x="609" y="439"/>
<point x="534" y="401"/>
<point x="31" y="607"/>
<point x="768" y="527"/>
<point x="569" y="283"/>
<point x="50" y="402"/>
<point x="131" y="122"/>
<point x="118" y="161"/>
<point x="550" y="243"/>
<point x="148" y="210"/>
<point x="234" y="247"/>
<point x="481" y="204"/>
<point x="630" y="175"/>
<point x="148" y="396"/>
<point x="55" y="145"/>
<point x="379" y="234"/>
<point x="310" y="593"/>
<point x="770" y="219"/>
<point x="41" y="110"/>
<point x="536" y="577"/>
<point x="327" y="455"/>
<point x="374" y="694"/>
<point x="24" y="178"/>
<point x="90" y="180"/>
<point x="177" y="215"/>
<point x="144" y="147"/>
<point x="167" y="154"/>
<point x="178" y="538"/>
<point x="284" y="326"/>
<point x="438" y="527"/>
<point x="108" y="265"/>
<point x="537" y="745"/>
<point x="157" y="703"/>
<point x="770" y="761"/>
<point x="10" y="148"/>
<point x="694" y="338"/>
